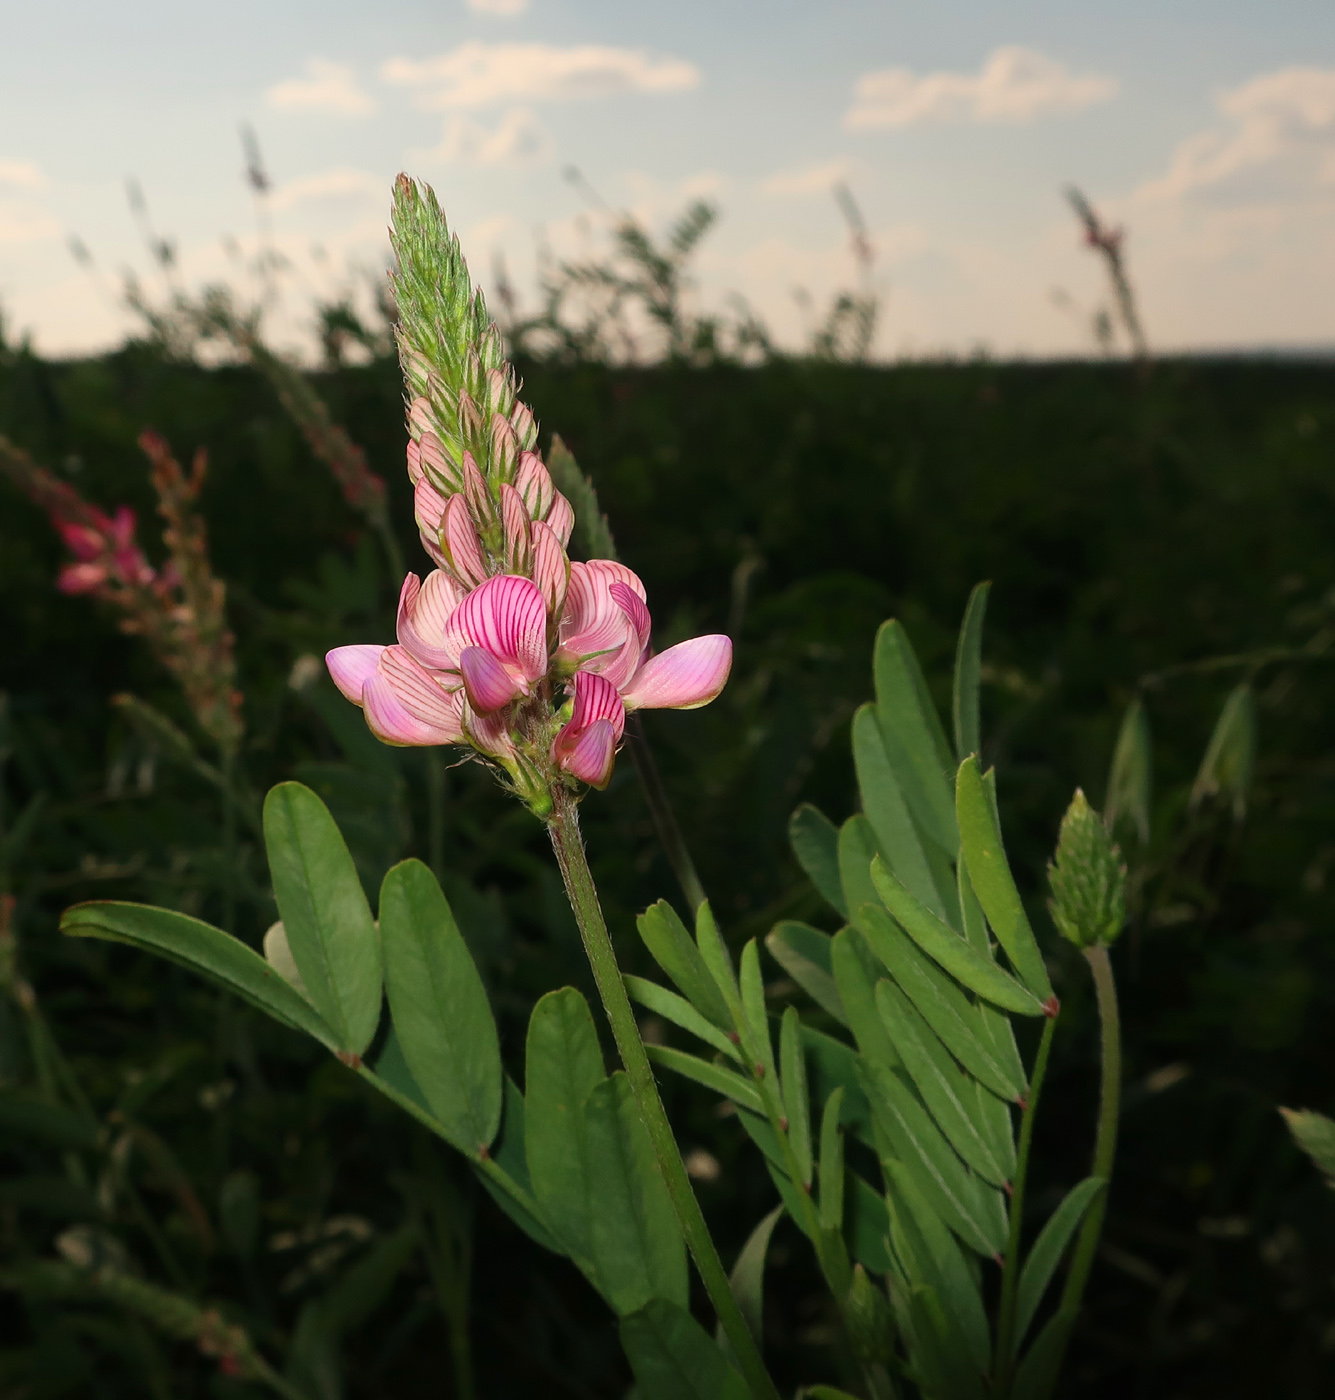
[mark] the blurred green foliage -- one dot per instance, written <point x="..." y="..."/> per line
<point x="1131" y="524"/>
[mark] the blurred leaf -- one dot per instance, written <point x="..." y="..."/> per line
<point x="832" y="1163"/>
<point x="439" y="1008"/>
<point x="815" y="842"/>
<point x="1128" y="797"/>
<point x="748" y="1281"/>
<point x="1036" y="1376"/>
<point x="804" y="954"/>
<point x="796" y="1098"/>
<point x="674" y="1358"/>
<point x="1048" y="1249"/>
<point x="949" y="1371"/>
<point x="1230" y="756"/>
<point x="224" y="960"/>
<point x="325" y="914"/>
<point x="968" y="672"/>
<point x="637" y="1245"/>
<point x="47" y="1122"/>
<point x="239" y="1212"/>
<point x="1315" y="1134"/>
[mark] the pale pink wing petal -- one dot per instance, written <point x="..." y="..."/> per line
<point x="561" y="518"/>
<point x="683" y="677"/>
<point x="488" y="683"/>
<point x="419" y="693"/>
<point x="490" y="733"/>
<point x="462" y="543"/>
<point x="352" y="667"/>
<point x="635" y="608"/>
<point x="594" y="624"/>
<point x="392" y="723"/>
<point x="515" y="523"/>
<point x="428" y="508"/>
<point x="593" y="755"/>
<point x="424" y="618"/>
<point x="551" y="568"/>
<point x="507" y="617"/>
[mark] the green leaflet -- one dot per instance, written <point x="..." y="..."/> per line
<point x="994" y="1026"/>
<point x="674" y="1358"/>
<point x="832" y="1163"/>
<point x="990" y="875"/>
<point x="748" y="1279"/>
<point x="943" y="1087"/>
<point x="831" y="1065"/>
<point x="1226" y="767"/>
<point x="666" y="938"/>
<point x="944" y="946"/>
<point x="637" y="1245"/>
<point x="815" y="842"/>
<point x="940" y="1002"/>
<point x="914" y="740"/>
<point x="946" y="1370"/>
<point x="756" y="1017"/>
<point x="968" y="673"/>
<point x="883" y="801"/>
<point x="680" y="1012"/>
<point x="857" y="848"/>
<point x="796" y="1100"/>
<point x="439" y="1008"/>
<point x="51" y="1123"/>
<point x="563" y="1065"/>
<point x="906" y="1133"/>
<point x="1048" y="1250"/>
<point x="1129" y="775"/>
<point x="1315" y="1134"/>
<point x="507" y="1181"/>
<point x="855" y="974"/>
<point x="932" y="1257"/>
<point x="804" y="954"/>
<point x="1037" y="1374"/>
<point x="224" y="960"/>
<point x="722" y="1081"/>
<point x="325" y="914"/>
<point x="718" y="962"/>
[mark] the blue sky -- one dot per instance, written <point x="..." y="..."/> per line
<point x="1208" y="130"/>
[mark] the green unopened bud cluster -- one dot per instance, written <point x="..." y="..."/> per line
<point x="1087" y="879"/>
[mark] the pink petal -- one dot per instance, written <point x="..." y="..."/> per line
<point x="414" y="463"/>
<point x="462" y="543"/>
<point x="551" y="568"/>
<point x="524" y="424"/>
<point x="351" y="667"/>
<point x="561" y="518"/>
<point x="507" y="617"/>
<point x="437" y="463"/>
<point x="534" y="484"/>
<point x="420" y="416"/>
<point x="593" y="622"/>
<point x="420" y="693"/>
<point x="596" y="698"/>
<point x="488" y="683"/>
<point x="429" y="508"/>
<point x="515" y="522"/>
<point x="424" y="614"/>
<point x="592" y="757"/>
<point x="489" y="733"/>
<point x="392" y="723"/>
<point x="476" y="494"/>
<point x="683" y="677"/>
<point x="81" y="578"/>
<point x="635" y="608"/>
<point x="504" y="448"/>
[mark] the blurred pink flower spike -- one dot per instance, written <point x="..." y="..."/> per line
<point x="683" y="677"/>
<point x="586" y="746"/>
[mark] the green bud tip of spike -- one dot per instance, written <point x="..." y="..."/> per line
<point x="1087" y="879"/>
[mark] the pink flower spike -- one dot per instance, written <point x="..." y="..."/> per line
<point x="488" y="683"/>
<point x="561" y="518"/>
<point x="506" y="617"/>
<point x="518" y="544"/>
<point x="683" y="677"/>
<point x="351" y="667"/>
<point x="592" y="757"/>
<point x="462" y="543"/>
<point x="551" y="568"/>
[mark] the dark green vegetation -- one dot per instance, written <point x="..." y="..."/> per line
<point x="1129" y="526"/>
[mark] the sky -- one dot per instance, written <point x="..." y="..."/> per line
<point x="1204" y="128"/>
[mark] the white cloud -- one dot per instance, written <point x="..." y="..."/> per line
<point x="811" y="179"/>
<point x="328" y="87"/>
<point x="19" y="224"/>
<point x="477" y="74"/>
<point x="1277" y="142"/>
<point x="498" y="7"/>
<point x="1014" y="85"/>
<point x="517" y="139"/>
<point x="22" y="173"/>
<point x="342" y="186"/>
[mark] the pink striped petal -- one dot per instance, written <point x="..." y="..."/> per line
<point x="462" y="543"/>
<point x="429" y="508"/>
<point x="420" y="416"/>
<point x="635" y="608"/>
<point x="351" y="667"/>
<point x="596" y="698"/>
<point x="534" y="483"/>
<point x="414" y="463"/>
<point x="551" y="568"/>
<point x="592" y="757"/>
<point x="476" y="494"/>
<point x="593" y="622"/>
<point x="392" y="723"/>
<point x="424" y="614"/>
<point x="418" y="692"/>
<point x="488" y="683"/>
<point x="515" y="522"/>
<point x="561" y="518"/>
<point x="683" y="677"/>
<point x="525" y="425"/>
<point x="506" y="616"/>
<point x="489" y="733"/>
<point x="504" y="448"/>
<point x="437" y="464"/>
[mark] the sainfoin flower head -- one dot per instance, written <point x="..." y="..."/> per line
<point x="507" y="647"/>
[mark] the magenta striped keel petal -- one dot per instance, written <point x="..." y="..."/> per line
<point x="683" y="677"/>
<point x="596" y="698"/>
<point x="488" y="683"/>
<point x="351" y="667"/>
<point x="592" y="757"/>
<point x="507" y="617"/>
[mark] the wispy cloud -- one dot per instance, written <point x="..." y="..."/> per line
<point x="498" y="7"/>
<point x="810" y="179"/>
<point x="19" y="224"/>
<point x="1276" y="142"/>
<point x="517" y="139"/>
<point x="478" y="74"/>
<point x="342" y="186"/>
<point x="327" y="87"/>
<point x="22" y="173"/>
<point x="1014" y="85"/>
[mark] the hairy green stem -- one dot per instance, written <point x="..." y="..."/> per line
<point x="1003" y="1361"/>
<point x="563" y="825"/>
<point x="665" y="819"/>
<point x="1105" y="1141"/>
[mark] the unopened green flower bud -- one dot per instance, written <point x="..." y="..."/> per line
<point x="1087" y="878"/>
